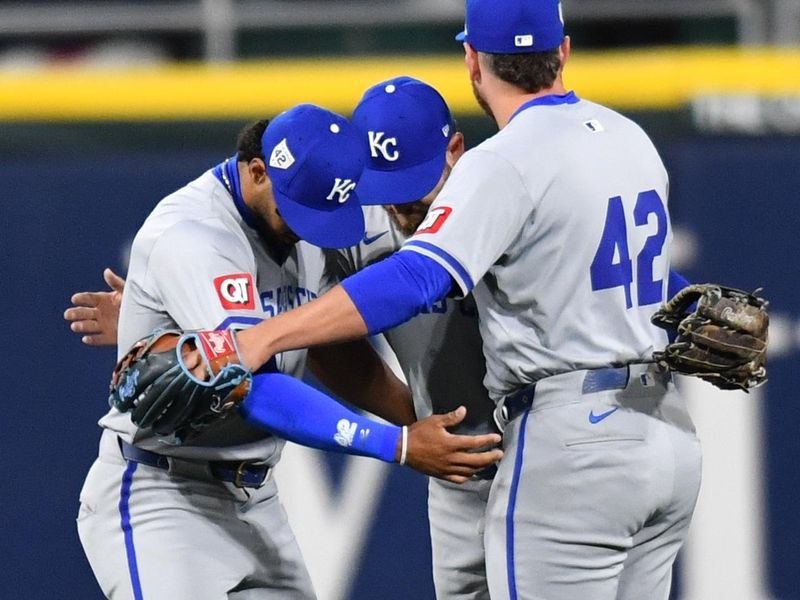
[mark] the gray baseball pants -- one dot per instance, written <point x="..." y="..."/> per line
<point x="151" y="534"/>
<point x="457" y="515"/>
<point x="595" y="493"/>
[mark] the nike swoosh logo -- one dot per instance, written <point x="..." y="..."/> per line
<point x="595" y="419"/>
<point x="368" y="240"/>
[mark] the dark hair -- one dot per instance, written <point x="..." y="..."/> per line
<point x="248" y="144"/>
<point x="531" y="71"/>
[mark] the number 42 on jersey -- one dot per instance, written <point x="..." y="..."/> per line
<point x="612" y="265"/>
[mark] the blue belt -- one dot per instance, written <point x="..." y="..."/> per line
<point x="595" y="380"/>
<point x="241" y="474"/>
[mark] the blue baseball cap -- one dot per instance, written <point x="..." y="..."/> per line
<point x="314" y="160"/>
<point x="513" y="26"/>
<point x="407" y="127"/>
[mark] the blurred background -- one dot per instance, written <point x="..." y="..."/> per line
<point x="105" y="107"/>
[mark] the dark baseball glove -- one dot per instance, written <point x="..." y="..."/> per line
<point x="154" y="384"/>
<point x="723" y="340"/>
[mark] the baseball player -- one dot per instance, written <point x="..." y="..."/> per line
<point x="559" y="223"/>
<point x="414" y="144"/>
<point x="221" y="252"/>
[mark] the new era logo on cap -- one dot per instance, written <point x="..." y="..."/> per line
<point x="281" y="157"/>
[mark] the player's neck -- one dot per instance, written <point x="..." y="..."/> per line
<point x="507" y="100"/>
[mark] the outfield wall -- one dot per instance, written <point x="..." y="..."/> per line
<point x="657" y="79"/>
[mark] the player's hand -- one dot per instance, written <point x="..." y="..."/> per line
<point x="95" y="314"/>
<point x="435" y="451"/>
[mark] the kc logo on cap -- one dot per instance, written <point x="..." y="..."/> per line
<point x="379" y="145"/>
<point x="343" y="188"/>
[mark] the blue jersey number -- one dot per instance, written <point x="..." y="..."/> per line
<point x="612" y="266"/>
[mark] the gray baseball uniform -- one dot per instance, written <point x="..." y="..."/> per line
<point x="440" y="354"/>
<point x="177" y="529"/>
<point x="561" y="220"/>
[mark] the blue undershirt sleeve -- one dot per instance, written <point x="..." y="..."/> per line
<point x="675" y="284"/>
<point x="291" y="409"/>
<point x="397" y="289"/>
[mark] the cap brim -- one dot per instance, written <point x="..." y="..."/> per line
<point x="341" y="227"/>
<point x="400" y="186"/>
<point x="462" y="37"/>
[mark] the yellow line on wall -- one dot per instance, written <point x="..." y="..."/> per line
<point x="652" y="79"/>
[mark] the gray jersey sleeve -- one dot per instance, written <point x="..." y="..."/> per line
<point x="202" y="275"/>
<point x="476" y="217"/>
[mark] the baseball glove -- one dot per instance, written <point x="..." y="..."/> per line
<point x="723" y="340"/>
<point x="154" y="384"/>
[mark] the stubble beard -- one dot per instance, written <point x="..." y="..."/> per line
<point x="481" y="100"/>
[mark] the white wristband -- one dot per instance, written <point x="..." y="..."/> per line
<point x="404" y="446"/>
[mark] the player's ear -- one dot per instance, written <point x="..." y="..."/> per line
<point x="257" y="170"/>
<point x="455" y="148"/>
<point x="473" y="65"/>
<point x="564" y="51"/>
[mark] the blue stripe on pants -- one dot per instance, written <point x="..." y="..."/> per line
<point x="512" y="501"/>
<point x="125" y="523"/>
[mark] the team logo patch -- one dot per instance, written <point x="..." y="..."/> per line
<point x="379" y="146"/>
<point x="236" y="291"/>
<point x="342" y="188"/>
<point x="435" y="219"/>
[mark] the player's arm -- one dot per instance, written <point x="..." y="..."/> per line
<point x="203" y="276"/>
<point x="353" y="370"/>
<point x="295" y="411"/>
<point x="356" y="372"/>
<point x="373" y="300"/>
<point x="153" y="378"/>
<point x="94" y="315"/>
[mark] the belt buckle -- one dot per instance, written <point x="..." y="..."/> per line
<point x="237" y="478"/>
<point x="500" y="416"/>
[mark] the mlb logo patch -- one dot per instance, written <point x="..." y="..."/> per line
<point x="235" y="291"/>
<point x="594" y="126"/>
<point x="523" y="41"/>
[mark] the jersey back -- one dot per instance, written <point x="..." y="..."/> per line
<point x="560" y="223"/>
